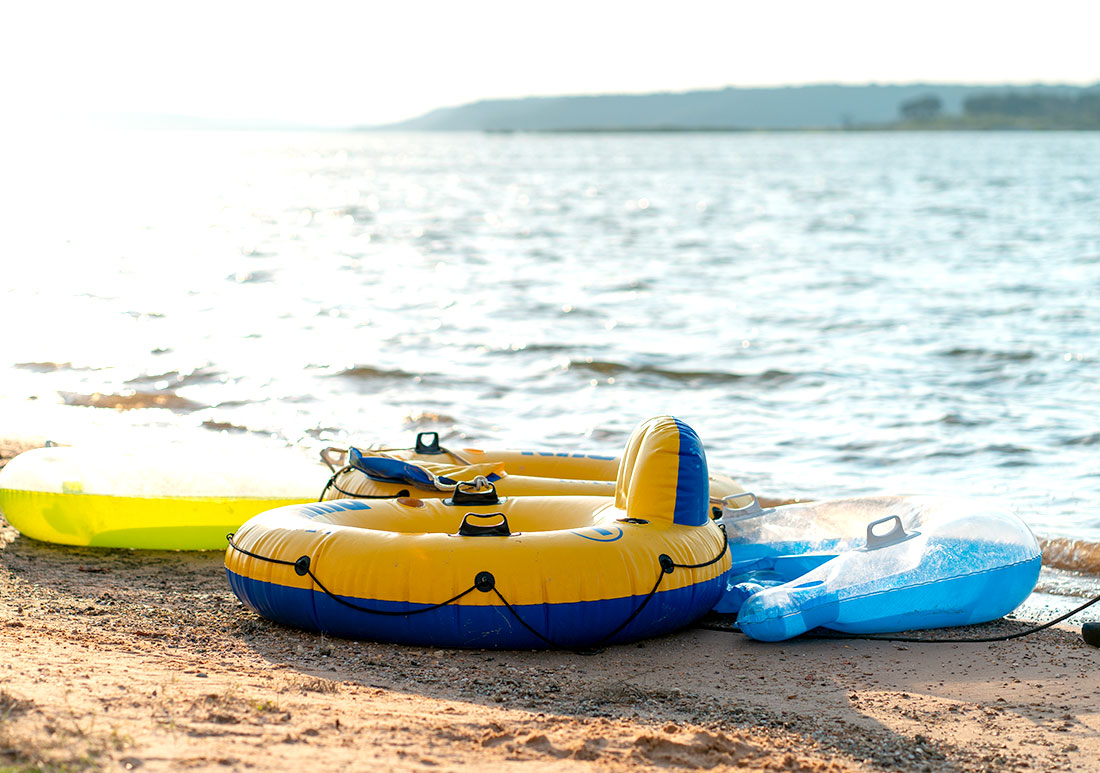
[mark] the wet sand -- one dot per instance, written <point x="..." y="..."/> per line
<point x="115" y="659"/>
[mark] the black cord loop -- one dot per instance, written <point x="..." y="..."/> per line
<point x="485" y="582"/>
<point x="351" y="494"/>
<point x="826" y="635"/>
<point x="302" y="568"/>
<point x="981" y="640"/>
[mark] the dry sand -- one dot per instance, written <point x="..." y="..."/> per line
<point x="115" y="659"/>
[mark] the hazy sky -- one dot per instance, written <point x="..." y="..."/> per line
<point x="336" y="63"/>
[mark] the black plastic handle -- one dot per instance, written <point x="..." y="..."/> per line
<point x="424" y="446"/>
<point x="468" y="529"/>
<point x="465" y="496"/>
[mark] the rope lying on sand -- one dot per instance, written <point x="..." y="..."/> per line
<point x="1089" y="631"/>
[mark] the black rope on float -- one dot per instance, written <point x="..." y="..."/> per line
<point x="385" y="612"/>
<point x="486" y="582"/>
<point x="302" y="568"/>
<point x="715" y="560"/>
<point x="667" y="565"/>
<point x="239" y="549"/>
<point x="352" y="495"/>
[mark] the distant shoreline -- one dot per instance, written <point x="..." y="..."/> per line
<point x="829" y="107"/>
<point x="627" y="130"/>
<point x="740" y="130"/>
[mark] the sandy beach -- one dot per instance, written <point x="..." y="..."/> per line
<point x="115" y="659"/>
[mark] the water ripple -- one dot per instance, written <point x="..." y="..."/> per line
<point x="708" y="377"/>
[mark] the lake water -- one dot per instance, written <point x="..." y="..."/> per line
<point x="835" y="313"/>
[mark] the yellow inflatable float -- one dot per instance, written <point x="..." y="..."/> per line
<point x="476" y="569"/>
<point x="427" y="470"/>
<point x="162" y="498"/>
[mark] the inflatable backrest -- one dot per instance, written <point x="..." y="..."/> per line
<point x="663" y="474"/>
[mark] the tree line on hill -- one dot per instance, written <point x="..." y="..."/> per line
<point x="820" y="106"/>
<point x="1006" y="110"/>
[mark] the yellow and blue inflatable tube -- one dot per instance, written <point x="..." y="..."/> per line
<point x="428" y="470"/>
<point x="524" y="572"/>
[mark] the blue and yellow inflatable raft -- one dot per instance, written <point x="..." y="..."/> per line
<point x="429" y="471"/>
<point x="476" y="570"/>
